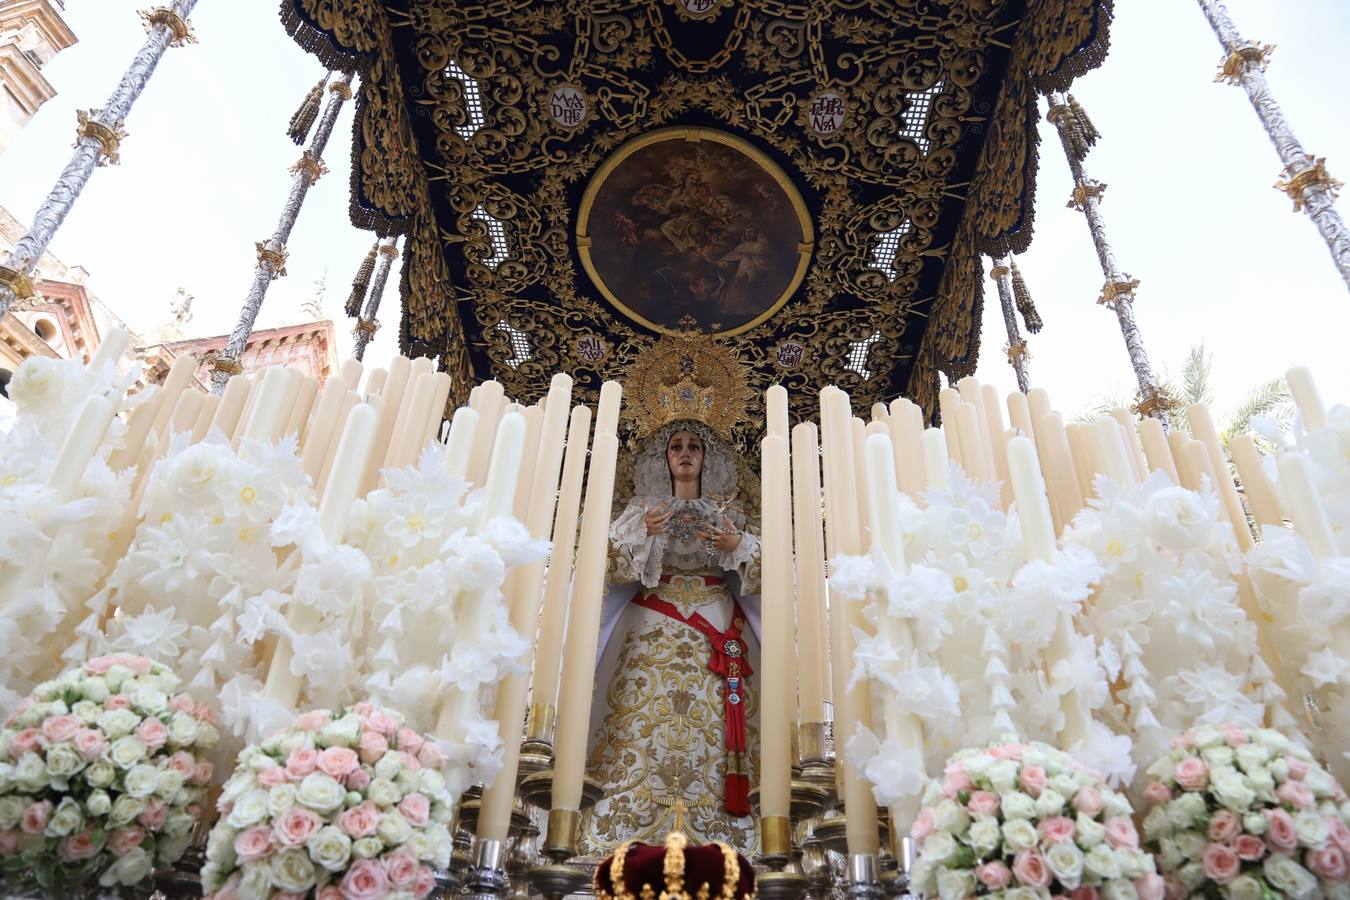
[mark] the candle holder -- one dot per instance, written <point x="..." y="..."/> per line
<point x="904" y="858"/>
<point x="556" y="879"/>
<point x="536" y="749"/>
<point x="781" y="882"/>
<point x="864" y="878"/>
<point x="468" y="816"/>
<point x="488" y="878"/>
<point x="537" y="791"/>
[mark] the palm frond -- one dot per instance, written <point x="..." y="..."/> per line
<point x="1195" y="377"/>
<point x="1270" y="399"/>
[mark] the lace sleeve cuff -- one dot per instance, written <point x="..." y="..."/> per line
<point x="640" y="555"/>
<point x="744" y="561"/>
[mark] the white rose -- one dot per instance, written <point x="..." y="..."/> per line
<point x="1288" y="876"/>
<point x="955" y="884"/>
<point x="291" y="870"/>
<point x="1170" y="857"/>
<point x="1192" y="843"/>
<point x="248" y="810"/>
<point x="170" y="783"/>
<point x="445" y="845"/>
<point x="1186" y="809"/>
<point x="421" y="846"/>
<point x="133" y="868"/>
<point x="296" y="740"/>
<point x="220" y="846"/>
<point x="87" y="711"/>
<point x="182" y="729"/>
<point x="985" y="833"/>
<point x="938" y="847"/>
<point x="179" y="822"/>
<point x="125" y="809"/>
<point x="1003" y="776"/>
<point x="151" y="700"/>
<point x="393" y="829"/>
<point x="1049" y="803"/>
<point x="1021" y="893"/>
<point x="389" y="765"/>
<point x="257" y="880"/>
<point x="170" y="849"/>
<point x="1280" y="769"/>
<point x="1192" y="875"/>
<point x="1218" y="757"/>
<point x="280" y="799"/>
<point x="1100" y="862"/>
<point x="1262" y="781"/>
<point x="366" y="848"/>
<point x="1254" y="823"/>
<point x="320" y="793"/>
<point x="207" y="735"/>
<point x="116" y="722"/>
<point x="240" y="783"/>
<point x="1066" y="861"/>
<point x="1090" y="832"/>
<point x="977" y="765"/>
<point x="63" y="762"/>
<point x="126" y="751"/>
<point x="95" y="689"/>
<point x="1133" y="863"/>
<point x="11" y="810"/>
<point x="408" y="780"/>
<point x="342" y="732"/>
<point x="1312" y="829"/>
<point x="330" y="848"/>
<point x="1208" y="736"/>
<point x="1064" y="784"/>
<point x="1019" y="834"/>
<point x="383" y="792"/>
<point x="1273" y="739"/>
<point x="431" y="783"/>
<point x="1119" y="889"/>
<point x="100" y="774"/>
<point x="1017" y="805"/>
<point x="1249" y="756"/>
<point x="141" y="780"/>
<point x="951" y="817"/>
<point x="1319" y="782"/>
<point x="30" y="773"/>
<point x="42" y="384"/>
<point x="67" y="819"/>
<point x="1244" y="887"/>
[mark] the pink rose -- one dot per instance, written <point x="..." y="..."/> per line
<point x="230" y="890"/>
<point x="100" y="665"/>
<point x="253" y="844"/>
<point x="153" y="733"/>
<point x="381" y="721"/>
<point x="1057" y="830"/>
<point x="117" y="701"/>
<point x="183" y="763"/>
<point x="301" y="762"/>
<point x="401" y="867"/>
<point x="362" y="707"/>
<point x="957" y="779"/>
<point x="359" y="821"/>
<point x="1280" y="832"/>
<point x="372" y="746"/>
<point x="338" y="761"/>
<point x="81" y="846"/>
<point x="288" y="895"/>
<point x="415" y="809"/>
<point x="1120" y="833"/>
<point x="1088" y="801"/>
<point x="1183" y="742"/>
<point x="1174" y="889"/>
<point x="1328" y="863"/>
<point x="202" y="774"/>
<point x="994" y="875"/>
<point x="123" y="840"/>
<point x="1157" y="793"/>
<point x="153" y="817"/>
<point x="411" y="763"/>
<point x="9" y="842"/>
<point x="358" y="780"/>
<point x="139" y="665"/>
<point x="273" y="776"/>
<point x="431" y="756"/>
<point x="314" y="720"/>
<point x="1298" y="768"/>
<point x="1192" y="774"/>
<point x="1224" y="826"/>
<point x="1030" y="868"/>
<point x="59" y="729"/>
<point x="182" y="703"/>
<point x="1033" y="780"/>
<point x="204" y="713"/>
<point x="27" y="741"/>
<point x="295" y="825"/>
<point x="924" y="825"/>
<point x="425" y="882"/>
<point x="330" y="892"/>
<point x="89" y="743"/>
<point x="1086" y="892"/>
<point x="1221" y="863"/>
<point x="983" y="803"/>
<point x="1235" y="735"/>
<point x="1249" y="847"/>
<point x="1296" y="794"/>
<point x="365" y="880"/>
<point x="1149" y="887"/>
<point x="1340" y="833"/>
<point x="34" y="819"/>
<point x="409" y="741"/>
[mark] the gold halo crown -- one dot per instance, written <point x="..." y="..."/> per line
<point x="687" y="376"/>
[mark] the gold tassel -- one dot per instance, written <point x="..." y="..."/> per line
<point x="361" y="283"/>
<point x="307" y="114"/>
<point x="1082" y="133"/>
<point x="1022" y="296"/>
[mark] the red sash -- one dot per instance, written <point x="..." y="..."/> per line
<point x="729" y="659"/>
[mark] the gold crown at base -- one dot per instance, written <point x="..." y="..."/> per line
<point x="687" y="377"/>
<point x="672" y="875"/>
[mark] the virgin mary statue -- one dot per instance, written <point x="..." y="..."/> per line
<point x="675" y="716"/>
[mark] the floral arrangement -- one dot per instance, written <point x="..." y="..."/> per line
<point x="102" y="775"/>
<point x="1249" y="814"/>
<point x="345" y="803"/>
<point x="1023" y="821"/>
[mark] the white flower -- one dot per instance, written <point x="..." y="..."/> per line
<point x="257" y="879"/>
<point x="1244" y="887"/>
<point x="1100" y="862"/>
<point x="1003" y="775"/>
<point x="63" y="761"/>
<point x="330" y="848"/>
<point x="367" y="847"/>
<point x="1017" y="805"/>
<point x="1090" y="832"/>
<point x="951" y="817"/>
<point x="938" y="847"/>
<point x="151" y="700"/>
<point x="141" y="780"/>
<point x="182" y="729"/>
<point x="1231" y="790"/>
<point x="383" y="792"/>
<point x="132" y="868"/>
<point x="249" y="809"/>
<point x="116" y="722"/>
<point x="124" y="810"/>
<point x="1312" y="829"/>
<point x="850" y="576"/>
<point x="895" y="772"/>
<point x="320" y="793"/>
<point x="1019" y="834"/>
<point x="1119" y="889"/>
<point x="1324" y="667"/>
<point x="955" y="884"/>
<point x="1066" y="861"/>
<point x="985" y="833"/>
<point x="291" y="870"/>
<point x="67" y="819"/>
<point x="126" y="751"/>
<point x="98" y="803"/>
<point x="1049" y="803"/>
<point x="99" y="774"/>
<point x="1179" y="519"/>
<point x="393" y="829"/>
<point x="1288" y="876"/>
<point x="42" y="384"/>
<point x="280" y="798"/>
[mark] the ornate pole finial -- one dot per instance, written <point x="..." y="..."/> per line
<point x="1119" y="288"/>
<point x="1304" y="178"/>
<point x="272" y="252"/>
<point x="1016" y="347"/>
<point x="99" y="135"/>
<point x="366" y="323"/>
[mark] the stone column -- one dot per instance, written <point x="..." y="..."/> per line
<point x="272" y="252"/>
<point x="366" y="324"/>
<point x="99" y="136"/>
<point x="1305" y="177"/>
<point x="1016" y="347"/>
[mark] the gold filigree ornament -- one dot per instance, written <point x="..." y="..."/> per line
<point x="688" y="376"/>
<point x="109" y="137"/>
<point x="180" y="28"/>
<point x="18" y="281"/>
<point x="1315" y="175"/>
<point x="276" y="258"/>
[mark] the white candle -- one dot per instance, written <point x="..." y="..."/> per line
<point x="776" y="410"/>
<point x="410" y="423"/>
<point x="266" y="414"/>
<point x="1110" y="450"/>
<point x="1033" y="508"/>
<point x="435" y="414"/>
<point x="349" y="401"/>
<point x="205" y="416"/>
<point x="110" y="350"/>
<point x="1202" y="426"/>
<point x="607" y="415"/>
<point x="777" y="677"/>
<point x="375" y="381"/>
<point x="180" y="376"/>
<point x="80" y="445"/>
<point x="1260" y="492"/>
<point x="231" y="406"/>
<point x="1305" y="507"/>
<point x="351" y="372"/>
<point x="1129" y="433"/>
<point x="1156" y="451"/>
<point x="1020" y="413"/>
<point x="459" y="443"/>
<point x="949" y="400"/>
<point x="1057" y="466"/>
<point x="1309" y="402"/>
<point x="993" y="420"/>
<point x="935" y="459"/>
<point x="322" y="429"/>
<point x="395" y="386"/>
<point x="303" y="406"/>
<point x="500" y="491"/>
<point x="810" y="558"/>
<point x="968" y="439"/>
<point x="295" y="380"/>
<point x="490" y="402"/>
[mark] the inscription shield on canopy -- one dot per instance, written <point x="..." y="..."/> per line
<point x="696" y="224"/>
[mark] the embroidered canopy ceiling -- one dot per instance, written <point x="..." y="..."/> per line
<point x="576" y="177"/>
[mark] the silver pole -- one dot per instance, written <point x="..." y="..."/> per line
<point x="366" y="324"/>
<point x="272" y="252"/>
<point x="99" y="136"/>
<point x="1017" y="346"/>
<point x="1305" y="178"/>
<point x="1118" y="291"/>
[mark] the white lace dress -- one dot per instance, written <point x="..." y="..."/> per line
<point x="659" y="723"/>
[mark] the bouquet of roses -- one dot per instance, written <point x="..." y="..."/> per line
<point x="1247" y="813"/>
<point x="1024" y="821"/>
<point x="102" y="774"/>
<point x="346" y="803"/>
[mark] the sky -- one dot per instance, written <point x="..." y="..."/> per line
<point x="1190" y="205"/>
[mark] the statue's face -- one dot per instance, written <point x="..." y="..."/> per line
<point x="684" y="455"/>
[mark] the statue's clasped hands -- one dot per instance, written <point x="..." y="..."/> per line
<point x="724" y="537"/>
